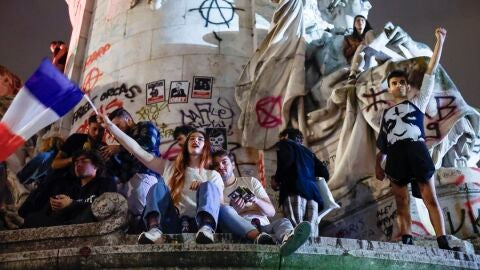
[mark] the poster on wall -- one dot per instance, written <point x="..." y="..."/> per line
<point x="179" y="92"/>
<point x="217" y="137"/>
<point x="155" y="92"/>
<point x="202" y="87"/>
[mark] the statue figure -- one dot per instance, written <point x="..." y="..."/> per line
<point x="341" y="121"/>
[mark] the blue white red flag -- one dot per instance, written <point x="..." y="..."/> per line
<point x="46" y="96"/>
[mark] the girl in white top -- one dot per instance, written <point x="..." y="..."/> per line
<point x="193" y="191"/>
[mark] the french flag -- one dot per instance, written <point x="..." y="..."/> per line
<point x="46" y="96"/>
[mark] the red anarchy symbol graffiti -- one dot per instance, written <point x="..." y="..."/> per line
<point x="269" y="110"/>
<point x="91" y="79"/>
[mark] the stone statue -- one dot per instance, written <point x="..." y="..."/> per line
<point x="340" y="121"/>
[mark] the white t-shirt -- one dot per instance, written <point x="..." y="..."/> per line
<point x="188" y="203"/>
<point x="256" y="187"/>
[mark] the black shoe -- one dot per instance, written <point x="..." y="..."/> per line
<point x="442" y="242"/>
<point x="407" y="239"/>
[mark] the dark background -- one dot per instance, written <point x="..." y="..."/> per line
<point x="28" y="26"/>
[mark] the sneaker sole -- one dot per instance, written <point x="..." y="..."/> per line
<point x="143" y="240"/>
<point x="300" y="236"/>
<point x="203" y="239"/>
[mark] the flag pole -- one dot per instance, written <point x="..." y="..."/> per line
<point x="91" y="104"/>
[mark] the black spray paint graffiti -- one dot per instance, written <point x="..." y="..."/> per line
<point x="208" y="115"/>
<point x="216" y="12"/>
<point x="84" y="109"/>
<point x="129" y="93"/>
<point x="445" y="109"/>
<point x="386" y="219"/>
<point x="374" y="96"/>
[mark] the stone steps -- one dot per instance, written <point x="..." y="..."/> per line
<point x="182" y="253"/>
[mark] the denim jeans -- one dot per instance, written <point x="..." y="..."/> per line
<point x="160" y="201"/>
<point x="231" y="222"/>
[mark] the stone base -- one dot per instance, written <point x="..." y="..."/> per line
<point x="318" y="253"/>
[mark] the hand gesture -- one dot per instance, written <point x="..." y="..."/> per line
<point x="440" y="34"/>
<point x="109" y="150"/>
<point x="60" y="202"/>
<point x="195" y="184"/>
<point x="237" y="203"/>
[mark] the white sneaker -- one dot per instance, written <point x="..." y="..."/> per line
<point x="264" y="239"/>
<point x="152" y="236"/>
<point x="295" y="239"/>
<point x="204" y="235"/>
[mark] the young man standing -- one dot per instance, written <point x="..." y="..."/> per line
<point x="248" y="218"/>
<point x="402" y="141"/>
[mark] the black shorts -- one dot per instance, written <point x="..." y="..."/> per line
<point x="409" y="162"/>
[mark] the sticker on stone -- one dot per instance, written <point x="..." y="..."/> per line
<point x="202" y="87"/>
<point x="217" y="137"/>
<point x="179" y="92"/>
<point x="155" y="92"/>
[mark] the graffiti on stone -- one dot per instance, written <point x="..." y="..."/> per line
<point x="445" y="106"/>
<point x="268" y="110"/>
<point x="375" y="102"/>
<point x="97" y="54"/>
<point x="386" y="215"/>
<point x="216" y="114"/>
<point x="128" y="92"/>
<point x="216" y="12"/>
<point x="152" y="112"/>
<point x="91" y="80"/>
<point x="104" y="109"/>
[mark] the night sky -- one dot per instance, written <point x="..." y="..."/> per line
<point x="28" y="26"/>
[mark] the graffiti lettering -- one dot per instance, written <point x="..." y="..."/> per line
<point x="269" y="112"/>
<point x="97" y="54"/>
<point x="165" y="131"/>
<point x="445" y="109"/>
<point x="206" y="115"/>
<point x="151" y="112"/>
<point x="386" y="219"/>
<point x="112" y="105"/>
<point x="374" y="96"/>
<point x="80" y="112"/>
<point x="130" y="93"/>
<point x="454" y="230"/>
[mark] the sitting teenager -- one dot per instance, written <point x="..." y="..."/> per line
<point x="191" y="196"/>
<point x="247" y="216"/>
<point x="72" y="204"/>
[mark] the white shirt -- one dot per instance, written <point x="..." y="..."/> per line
<point x="188" y="202"/>
<point x="256" y="187"/>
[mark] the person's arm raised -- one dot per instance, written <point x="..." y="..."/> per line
<point x="440" y="34"/>
<point x="149" y="160"/>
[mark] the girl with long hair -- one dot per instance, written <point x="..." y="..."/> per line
<point x="191" y="196"/>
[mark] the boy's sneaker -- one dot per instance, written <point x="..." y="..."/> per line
<point x="407" y="239"/>
<point x="296" y="238"/>
<point x="152" y="236"/>
<point x="264" y="239"/>
<point x="204" y="235"/>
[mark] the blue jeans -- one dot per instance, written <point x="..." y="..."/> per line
<point x="160" y="201"/>
<point x="231" y="222"/>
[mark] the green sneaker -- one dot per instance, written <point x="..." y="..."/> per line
<point x="295" y="239"/>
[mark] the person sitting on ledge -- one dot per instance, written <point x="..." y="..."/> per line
<point x="72" y="204"/>
<point x="246" y="216"/>
<point x="191" y="196"/>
